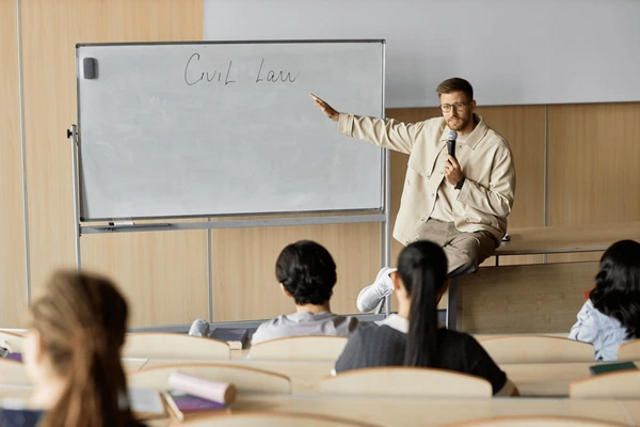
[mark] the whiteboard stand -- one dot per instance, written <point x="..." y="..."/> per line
<point x="268" y="221"/>
<point x="72" y="133"/>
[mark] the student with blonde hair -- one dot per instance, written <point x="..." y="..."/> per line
<point x="72" y="354"/>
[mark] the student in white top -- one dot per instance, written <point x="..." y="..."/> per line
<point x="611" y="315"/>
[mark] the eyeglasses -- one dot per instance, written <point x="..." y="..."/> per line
<point x="459" y="106"/>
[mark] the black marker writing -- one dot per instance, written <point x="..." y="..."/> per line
<point x="216" y="75"/>
<point x="273" y="77"/>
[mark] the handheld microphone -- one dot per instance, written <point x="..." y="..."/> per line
<point x="453" y="135"/>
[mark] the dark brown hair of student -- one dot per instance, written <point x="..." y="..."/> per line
<point x="455" y="84"/>
<point x="82" y="321"/>
<point x="307" y="271"/>
<point x="423" y="269"/>
<point x="617" y="291"/>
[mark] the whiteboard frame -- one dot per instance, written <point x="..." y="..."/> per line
<point x="383" y="160"/>
<point x="381" y="216"/>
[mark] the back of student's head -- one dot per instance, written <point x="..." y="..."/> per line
<point x="81" y="321"/>
<point x="423" y="269"/>
<point x="307" y="271"/>
<point x="617" y="291"/>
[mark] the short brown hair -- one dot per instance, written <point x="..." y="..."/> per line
<point x="455" y="84"/>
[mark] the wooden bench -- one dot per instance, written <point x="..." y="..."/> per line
<point x="532" y="286"/>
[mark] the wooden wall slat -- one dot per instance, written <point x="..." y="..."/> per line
<point x="163" y="274"/>
<point x="243" y="265"/>
<point x="594" y="178"/>
<point x="13" y="281"/>
<point x="524" y="128"/>
<point x="51" y="30"/>
<point x="524" y="299"/>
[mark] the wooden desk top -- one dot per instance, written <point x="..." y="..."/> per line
<point x="533" y="380"/>
<point x="567" y="239"/>
<point x="407" y="411"/>
<point x="434" y="412"/>
<point x="305" y="376"/>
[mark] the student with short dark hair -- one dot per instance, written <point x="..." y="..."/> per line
<point x="611" y="315"/>
<point x="413" y="337"/>
<point x="307" y="273"/>
<point x="72" y="355"/>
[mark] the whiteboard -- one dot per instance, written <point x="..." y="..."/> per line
<point x="205" y="129"/>
<point x="514" y="52"/>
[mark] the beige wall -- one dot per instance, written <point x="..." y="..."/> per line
<point x="164" y="276"/>
<point x="13" y="289"/>
<point x="592" y="177"/>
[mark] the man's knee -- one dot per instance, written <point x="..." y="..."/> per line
<point x="463" y="265"/>
<point x="463" y="256"/>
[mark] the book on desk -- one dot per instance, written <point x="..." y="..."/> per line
<point x="236" y="338"/>
<point x="182" y="404"/>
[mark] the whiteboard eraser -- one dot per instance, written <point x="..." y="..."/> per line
<point x="89" y="68"/>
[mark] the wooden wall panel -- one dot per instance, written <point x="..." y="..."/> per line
<point x="13" y="282"/>
<point x="594" y="177"/>
<point x="524" y="127"/>
<point x="163" y="274"/>
<point x="51" y="30"/>
<point x="524" y="299"/>
<point x="243" y="266"/>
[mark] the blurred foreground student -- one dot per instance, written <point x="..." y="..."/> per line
<point x="413" y="337"/>
<point x="611" y="315"/>
<point x="72" y="354"/>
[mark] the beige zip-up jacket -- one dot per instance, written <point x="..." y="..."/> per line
<point x="487" y="164"/>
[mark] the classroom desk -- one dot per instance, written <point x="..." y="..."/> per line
<point x="567" y="239"/>
<point x="305" y="375"/>
<point x="533" y="379"/>
<point x="546" y="379"/>
<point x="632" y="408"/>
<point x="131" y="364"/>
<point x="420" y="412"/>
<point x="407" y="411"/>
<point x="20" y="393"/>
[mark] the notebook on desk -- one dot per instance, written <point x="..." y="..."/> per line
<point x="611" y="367"/>
<point x="182" y="404"/>
<point x="236" y="338"/>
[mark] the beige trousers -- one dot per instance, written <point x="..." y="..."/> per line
<point x="464" y="251"/>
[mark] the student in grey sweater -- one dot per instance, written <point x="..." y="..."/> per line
<point x="611" y="315"/>
<point x="307" y="274"/>
<point x="413" y="337"/>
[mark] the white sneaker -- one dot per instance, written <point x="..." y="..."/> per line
<point x="199" y="328"/>
<point x="382" y="287"/>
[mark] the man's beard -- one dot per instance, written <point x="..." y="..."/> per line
<point x="460" y="123"/>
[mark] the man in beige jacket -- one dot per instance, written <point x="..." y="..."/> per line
<point x="460" y="202"/>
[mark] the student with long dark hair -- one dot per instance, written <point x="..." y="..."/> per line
<point x="413" y="337"/>
<point x="72" y="354"/>
<point x="611" y="315"/>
